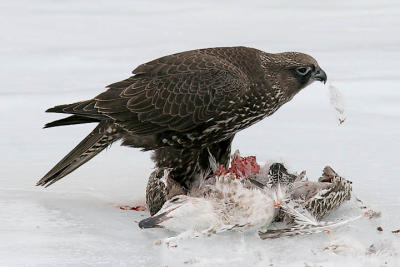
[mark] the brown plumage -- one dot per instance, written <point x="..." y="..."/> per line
<point x="186" y="106"/>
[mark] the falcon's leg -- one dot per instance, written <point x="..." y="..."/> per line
<point x="188" y="164"/>
<point x="185" y="167"/>
<point x="221" y="152"/>
<point x="183" y="163"/>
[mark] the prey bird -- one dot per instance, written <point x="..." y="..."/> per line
<point x="186" y="106"/>
<point x="228" y="203"/>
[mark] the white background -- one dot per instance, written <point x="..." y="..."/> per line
<point x="57" y="52"/>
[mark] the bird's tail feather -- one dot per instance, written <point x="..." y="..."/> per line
<point x="101" y="137"/>
<point x="305" y="223"/>
<point x="74" y="119"/>
<point x="305" y="229"/>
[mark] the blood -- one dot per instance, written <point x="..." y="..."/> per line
<point x="241" y="167"/>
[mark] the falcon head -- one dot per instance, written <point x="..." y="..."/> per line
<point x="292" y="71"/>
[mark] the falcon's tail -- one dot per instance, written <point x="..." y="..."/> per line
<point x="101" y="137"/>
<point x="74" y="119"/>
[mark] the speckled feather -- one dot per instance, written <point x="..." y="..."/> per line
<point x="225" y="203"/>
<point x="194" y="99"/>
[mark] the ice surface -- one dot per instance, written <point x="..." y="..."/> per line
<point x="55" y="52"/>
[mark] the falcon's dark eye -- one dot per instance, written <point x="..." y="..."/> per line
<point x="303" y="70"/>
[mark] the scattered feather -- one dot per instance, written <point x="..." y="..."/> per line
<point x="336" y="100"/>
<point x="305" y="229"/>
<point x="381" y="248"/>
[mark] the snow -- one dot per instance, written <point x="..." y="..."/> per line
<point x="55" y="52"/>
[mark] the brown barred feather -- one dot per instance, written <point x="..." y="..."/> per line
<point x="195" y="99"/>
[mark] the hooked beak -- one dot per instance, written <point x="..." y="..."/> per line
<point x="319" y="75"/>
